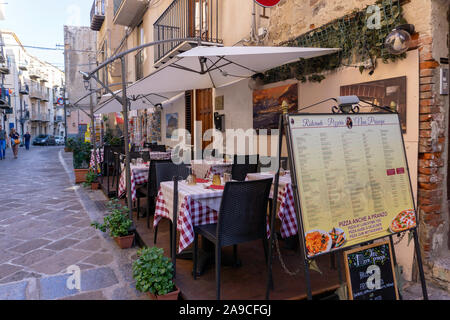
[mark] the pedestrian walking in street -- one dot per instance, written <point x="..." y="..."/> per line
<point x="15" y="142"/>
<point x="27" y="137"/>
<point x="2" y="143"/>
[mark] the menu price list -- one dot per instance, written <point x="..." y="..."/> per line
<point x="345" y="172"/>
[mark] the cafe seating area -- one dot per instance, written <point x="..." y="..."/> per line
<point x="222" y="210"/>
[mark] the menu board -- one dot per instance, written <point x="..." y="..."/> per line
<point x="352" y="176"/>
<point x="370" y="273"/>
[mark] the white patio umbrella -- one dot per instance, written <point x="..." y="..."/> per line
<point x="215" y="67"/>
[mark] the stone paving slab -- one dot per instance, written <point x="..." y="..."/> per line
<point x="16" y="291"/>
<point x="46" y="228"/>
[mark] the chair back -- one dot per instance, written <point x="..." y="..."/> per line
<point x="153" y="187"/>
<point x="243" y="212"/>
<point x="168" y="170"/>
<point x="243" y="165"/>
<point x="272" y="165"/>
<point x="158" y="148"/>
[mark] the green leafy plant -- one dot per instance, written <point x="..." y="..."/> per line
<point x="153" y="272"/>
<point x="91" y="177"/>
<point x="118" y="223"/>
<point x="358" y="44"/>
<point x="81" y="153"/>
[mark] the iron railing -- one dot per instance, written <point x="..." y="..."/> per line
<point x="186" y="19"/>
<point x="97" y="14"/>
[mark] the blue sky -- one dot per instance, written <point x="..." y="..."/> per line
<point x="41" y="23"/>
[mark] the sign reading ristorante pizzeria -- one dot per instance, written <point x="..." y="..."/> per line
<point x="353" y="181"/>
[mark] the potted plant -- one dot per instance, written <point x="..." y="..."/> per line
<point x="118" y="223"/>
<point x="92" y="180"/>
<point x="81" y="158"/>
<point x="69" y="145"/>
<point x="153" y="273"/>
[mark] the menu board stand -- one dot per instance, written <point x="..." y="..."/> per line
<point x="284" y="129"/>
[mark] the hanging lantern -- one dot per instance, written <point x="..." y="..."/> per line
<point x="399" y="40"/>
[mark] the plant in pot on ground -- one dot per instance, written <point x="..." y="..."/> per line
<point x="92" y="180"/>
<point x="81" y="158"/>
<point x="153" y="273"/>
<point x="118" y="223"/>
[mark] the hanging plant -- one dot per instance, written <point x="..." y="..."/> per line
<point x="358" y="43"/>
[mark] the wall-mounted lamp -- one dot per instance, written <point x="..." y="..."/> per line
<point x="399" y="40"/>
<point x="256" y="81"/>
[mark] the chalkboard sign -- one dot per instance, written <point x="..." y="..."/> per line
<point x="370" y="273"/>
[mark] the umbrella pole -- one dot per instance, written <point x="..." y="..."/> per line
<point x="93" y="131"/>
<point x="127" y="142"/>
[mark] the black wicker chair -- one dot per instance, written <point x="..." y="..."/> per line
<point x="149" y="190"/>
<point x="166" y="172"/>
<point x="242" y="218"/>
<point x="158" y="148"/>
<point x="243" y="165"/>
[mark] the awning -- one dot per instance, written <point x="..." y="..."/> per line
<point x="215" y="67"/>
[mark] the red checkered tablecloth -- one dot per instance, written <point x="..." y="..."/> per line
<point x="286" y="212"/>
<point x="139" y="175"/>
<point x="197" y="206"/>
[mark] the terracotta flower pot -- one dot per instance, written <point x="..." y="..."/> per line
<point x="80" y="175"/>
<point x="67" y="149"/>
<point x="170" y="296"/>
<point x="95" y="185"/>
<point x="125" y="242"/>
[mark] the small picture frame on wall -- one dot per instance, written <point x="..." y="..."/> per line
<point x="220" y="103"/>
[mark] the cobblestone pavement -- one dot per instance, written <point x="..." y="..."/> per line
<point x="45" y="228"/>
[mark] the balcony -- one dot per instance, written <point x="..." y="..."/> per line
<point x="24" y="89"/>
<point x="4" y="69"/>
<point x="35" y="91"/>
<point x="186" y="19"/>
<point x="97" y="15"/>
<point x="39" y="117"/>
<point x="5" y="99"/>
<point x="34" y="73"/>
<point x="128" y="12"/>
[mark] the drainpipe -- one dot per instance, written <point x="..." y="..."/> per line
<point x="253" y="33"/>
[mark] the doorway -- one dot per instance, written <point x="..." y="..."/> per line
<point x="204" y="112"/>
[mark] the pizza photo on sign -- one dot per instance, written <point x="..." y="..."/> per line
<point x="405" y="220"/>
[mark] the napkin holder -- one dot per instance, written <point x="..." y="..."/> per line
<point x="192" y="180"/>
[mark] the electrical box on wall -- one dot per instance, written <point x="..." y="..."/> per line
<point x="444" y="81"/>
<point x="219" y="121"/>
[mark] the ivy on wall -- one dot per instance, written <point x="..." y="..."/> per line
<point x="361" y="43"/>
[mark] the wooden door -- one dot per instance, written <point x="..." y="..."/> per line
<point x="204" y="112"/>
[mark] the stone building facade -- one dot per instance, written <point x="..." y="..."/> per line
<point x="292" y="18"/>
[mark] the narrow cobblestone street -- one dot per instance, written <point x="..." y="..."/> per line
<point x="45" y="228"/>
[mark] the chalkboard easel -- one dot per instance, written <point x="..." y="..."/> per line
<point x="370" y="272"/>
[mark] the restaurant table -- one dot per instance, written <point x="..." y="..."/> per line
<point x="139" y="175"/>
<point x="206" y="169"/>
<point x="160" y="155"/>
<point x="197" y="206"/>
<point x="286" y="212"/>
